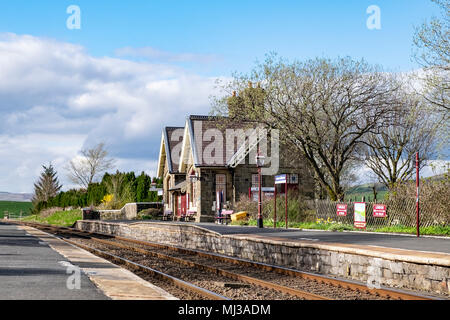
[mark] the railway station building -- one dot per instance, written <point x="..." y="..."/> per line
<point x="211" y="162"/>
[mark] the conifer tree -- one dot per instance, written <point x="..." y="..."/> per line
<point x="47" y="186"/>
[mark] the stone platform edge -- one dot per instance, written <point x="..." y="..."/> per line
<point x="400" y="268"/>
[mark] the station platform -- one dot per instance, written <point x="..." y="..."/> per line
<point x="387" y="240"/>
<point x="37" y="266"/>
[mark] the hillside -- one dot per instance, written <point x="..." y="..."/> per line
<point x="19" y="197"/>
<point x="357" y="192"/>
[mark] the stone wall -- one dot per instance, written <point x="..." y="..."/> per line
<point x="377" y="267"/>
<point x="128" y="212"/>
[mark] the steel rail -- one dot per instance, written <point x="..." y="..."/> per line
<point x="155" y="273"/>
<point x="340" y="283"/>
<point x="214" y="270"/>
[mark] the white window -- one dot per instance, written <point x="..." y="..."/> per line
<point x="255" y="180"/>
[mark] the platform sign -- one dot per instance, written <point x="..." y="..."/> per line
<point x="379" y="210"/>
<point x="341" y="210"/>
<point x="281" y="179"/>
<point x="360" y="215"/>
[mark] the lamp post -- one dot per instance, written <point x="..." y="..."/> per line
<point x="259" y="163"/>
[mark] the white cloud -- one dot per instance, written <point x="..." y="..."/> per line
<point x="55" y="99"/>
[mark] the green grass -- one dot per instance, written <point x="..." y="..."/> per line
<point x="333" y="226"/>
<point x="321" y="225"/>
<point x="60" y="218"/>
<point x="357" y="196"/>
<point x="15" y="207"/>
<point x="434" y="230"/>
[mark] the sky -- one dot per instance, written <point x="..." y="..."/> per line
<point x="136" y="66"/>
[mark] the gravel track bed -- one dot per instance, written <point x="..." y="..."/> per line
<point x="200" y="278"/>
<point x="326" y="290"/>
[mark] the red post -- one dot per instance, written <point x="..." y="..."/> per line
<point x="286" y="201"/>
<point x="275" y="207"/>
<point x="417" y="196"/>
<point x="260" y="220"/>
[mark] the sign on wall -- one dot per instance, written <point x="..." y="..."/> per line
<point x="360" y="215"/>
<point x="293" y="178"/>
<point x="341" y="210"/>
<point x="281" y="179"/>
<point x="379" y="210"/>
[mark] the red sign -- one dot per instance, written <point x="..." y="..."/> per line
<point x="341" y="210"/>
<point x="379" y="210"/>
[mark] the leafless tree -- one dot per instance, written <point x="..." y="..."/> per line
<point x="432" y="51"/>
<point x="391" y="152"/>
<point x="93" y="162"/>
<point x="324" y="108"/>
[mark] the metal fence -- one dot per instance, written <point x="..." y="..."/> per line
<point x="397" y="213"/>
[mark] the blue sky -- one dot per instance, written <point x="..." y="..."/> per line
<point x="137" y="66"/>
<point x="234" y="32"/>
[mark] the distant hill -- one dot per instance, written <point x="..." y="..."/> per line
<point x="19" y="197"/>
<point x="356" y="192"/>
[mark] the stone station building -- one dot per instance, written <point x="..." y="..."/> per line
<point x="211" y="161"/>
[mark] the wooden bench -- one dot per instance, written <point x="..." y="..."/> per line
<point x="167" y="214"/>
<point x="224" y="217"/>
<point x="190" y="215"/>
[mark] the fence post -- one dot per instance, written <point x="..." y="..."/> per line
<point x="417" y="196"/>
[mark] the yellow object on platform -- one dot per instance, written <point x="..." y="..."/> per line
<point x="239" y="216"/>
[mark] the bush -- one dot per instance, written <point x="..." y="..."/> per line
<point x="149" y="214"/>
<point x="434" y="200"/>
<point x="298" y="210"/>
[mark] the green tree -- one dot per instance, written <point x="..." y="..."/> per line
<point x="47" y="185"/>
<point x="121" y="189"/>
<point x="142" y="187"/>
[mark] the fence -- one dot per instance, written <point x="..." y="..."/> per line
<point x="14" y="215"/>
<point x="397" y="213"/>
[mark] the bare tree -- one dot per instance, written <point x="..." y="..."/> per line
<point x="324" y="108"/>
<point x="432" y="46"/>
<point x="93" y="162"/>
<point x="391" y="152"/>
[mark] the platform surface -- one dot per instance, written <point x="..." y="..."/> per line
<point x="406" y="242"/>
<point x="35" y="265"/>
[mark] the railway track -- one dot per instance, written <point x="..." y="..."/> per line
<point x="214" y="276"/>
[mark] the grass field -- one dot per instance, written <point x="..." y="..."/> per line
<point x="357" y="192"/>
<point x="15" y="207"/>
<point x="331" y="226"/>
<point x="60" y="218"/>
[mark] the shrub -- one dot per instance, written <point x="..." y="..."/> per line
<point x="434" y="200"/>
<point x="298" y="210"/>
<point x="149" y="214"/>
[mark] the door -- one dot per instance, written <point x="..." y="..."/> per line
<point x="183" y="204"/>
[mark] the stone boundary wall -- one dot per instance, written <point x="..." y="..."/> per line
<point x="128" y="212"/>
<point x="381" y="267"/>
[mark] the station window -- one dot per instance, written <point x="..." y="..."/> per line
<point x="255" y="180"/>
<point x="221" y="184"/>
